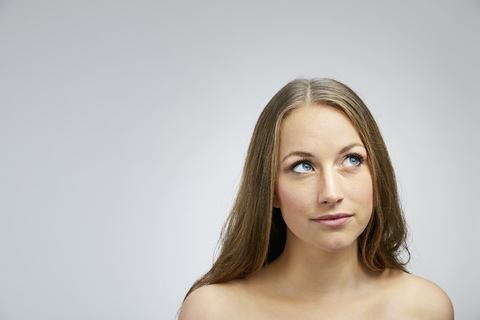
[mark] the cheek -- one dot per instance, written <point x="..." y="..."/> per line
<point x="284" y="195"/>
<point x="363" y="195"/>
<point x="290" y="197"/>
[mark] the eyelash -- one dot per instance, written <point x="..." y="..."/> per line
<point x="300" y="161"/>
<point x="360" y="158"/>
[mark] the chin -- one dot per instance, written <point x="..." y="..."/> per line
<point x="338" y="245"/>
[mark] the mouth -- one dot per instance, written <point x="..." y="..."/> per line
<point x="334" y="220"/>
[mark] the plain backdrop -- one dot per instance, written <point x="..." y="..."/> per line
<point x="124" y="126"/>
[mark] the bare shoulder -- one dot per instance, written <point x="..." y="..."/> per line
<point x="215" y="301"/>
<point x="423" y="298"/>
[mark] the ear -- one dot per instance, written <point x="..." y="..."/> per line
<point x="276" y="202"/>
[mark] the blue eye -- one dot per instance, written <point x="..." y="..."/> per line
<point x="353" y="160"/>
<point x="301" y="167"/>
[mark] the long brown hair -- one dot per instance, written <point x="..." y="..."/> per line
<point x="254" y="234"/>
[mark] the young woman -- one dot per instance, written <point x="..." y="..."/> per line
<point x="316" y="231"/>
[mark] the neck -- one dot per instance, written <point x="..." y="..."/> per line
<point x="309" y="272"/>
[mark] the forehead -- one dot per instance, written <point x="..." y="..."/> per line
<point x="318" y="125"/>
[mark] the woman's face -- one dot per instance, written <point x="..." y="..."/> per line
<point x="324" y="185"/>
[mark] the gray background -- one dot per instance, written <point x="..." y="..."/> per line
<point x="124" y="126"/>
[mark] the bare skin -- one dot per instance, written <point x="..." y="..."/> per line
<point x="385" y="295"/>
<point x="320" y="274"/>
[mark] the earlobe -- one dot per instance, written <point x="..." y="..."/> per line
<point x="276" y="203"/>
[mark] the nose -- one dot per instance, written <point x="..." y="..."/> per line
<point x="330" y="191"/>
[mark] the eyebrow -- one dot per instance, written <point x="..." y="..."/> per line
<point x="350" y="146"/>
<point x="309" y="155"/>
<point x="298" y="153"/>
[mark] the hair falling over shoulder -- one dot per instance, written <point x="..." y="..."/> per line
<point x="255" y="233"/>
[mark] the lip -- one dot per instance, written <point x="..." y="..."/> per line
<point x="334" y="220"/>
